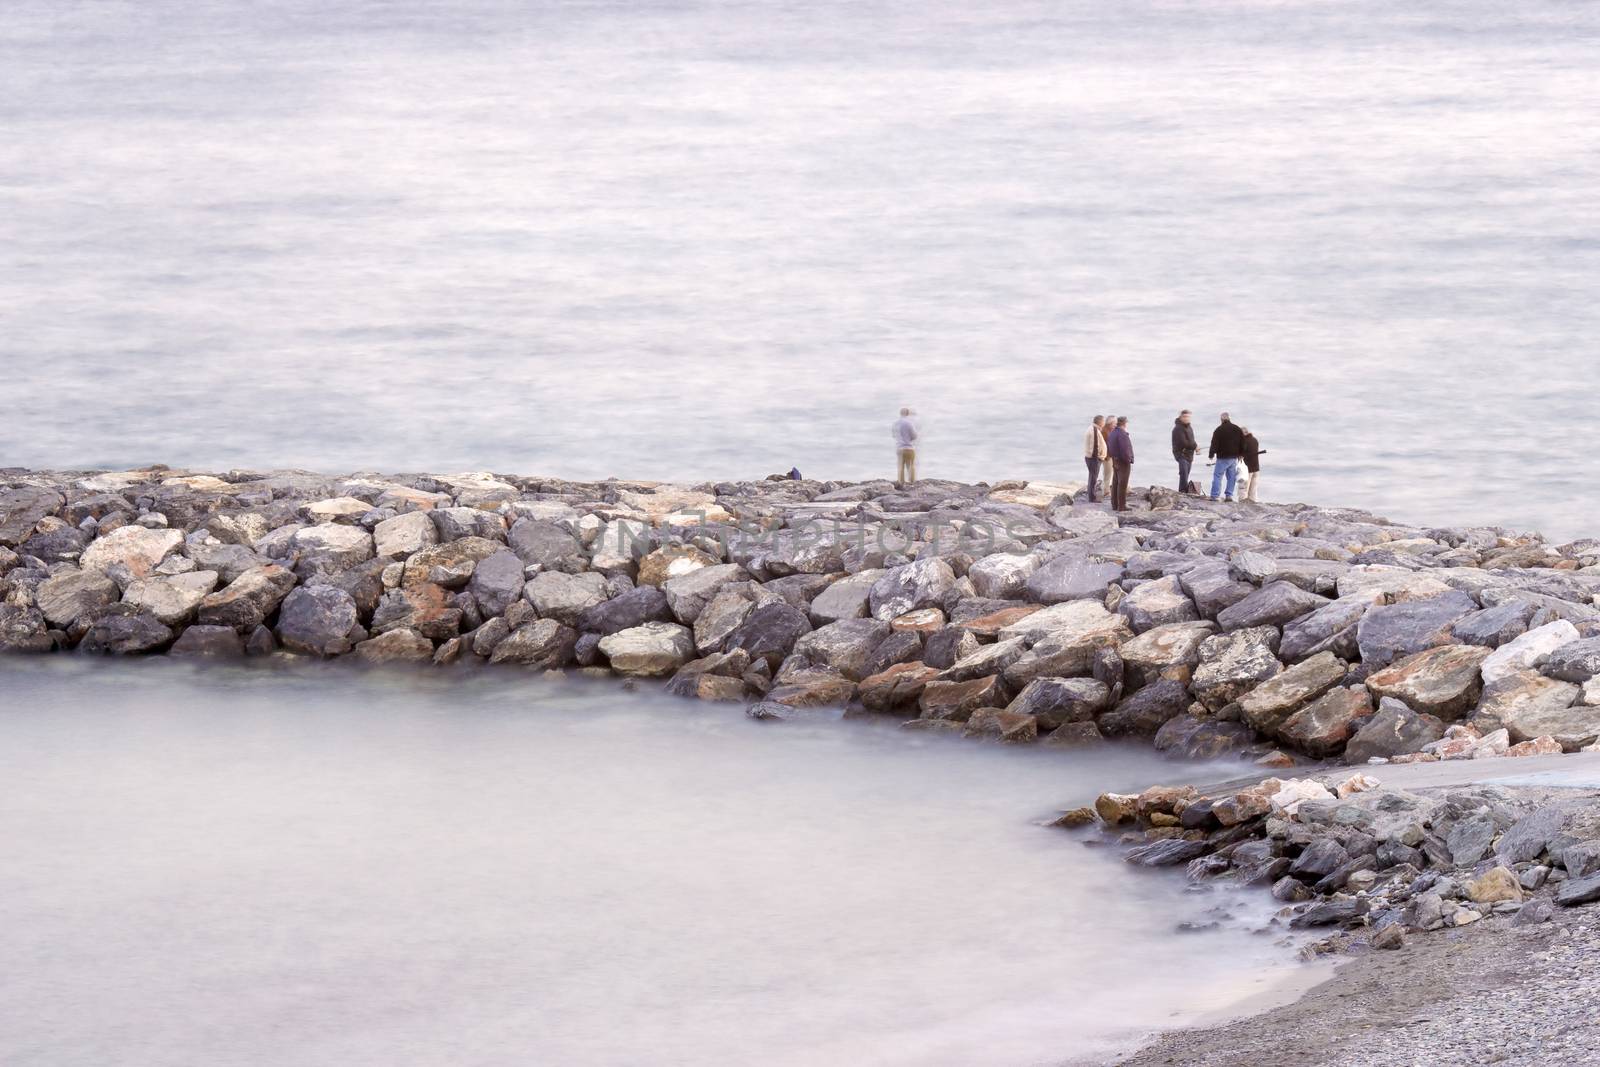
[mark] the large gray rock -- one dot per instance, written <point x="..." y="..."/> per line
<point x="221" y="641"/>
<point x="1158" y="603"/>
<point x="1065" y="653"/>
<point x="652" y="650"/>
<point x="130" y="552"/>
<point x="456" y="523"/>
<point x="123" y="629"/>
<point x="248" y="600"/>
<point x="1493" y="627"/>
<point x="66" y="597"/>
<point x="546" y="543"/>
<point x="922" y="584"/>
<point x="54" y="541"/>
<point x="402" y="535"/>
<point x="20" y="511"/>
<point x="1191" y="737"/>
<point x="1527" y="697"/>
<point x="770" y="632"/>
<point x="847" y="598"/>
<point x="396" y="646"/>
<point x="497" y="582"/>
<point x="1270" y="704"/>
<point x="543" y="644"/>
<point x="427" y="609"/>
<point x="1068" y="577"/>
<point x="988" y="659"/>
<point x="1529" y="836"/>
<point x="1322" y="728"/>
<point x="1166" y="651"/>
<point x="564" y="597"/>
<point x="1213" y="588"/>
<point x="637" y="606"/>
<point x="1004" y="575"/>
<point x="1443" y="681"/>
<point x="716" y="622"/>
<point x="173" y="599"/>
<point x="23" y="630"/>
<point x="1395" y="631"/>
<point x="1146" y="711"/>
<point x="689" y="594"/>
<point x="1231" y="665"/>
<point x="1528" y="650"/>
<point x="1332" y="628"/>
<point x="1577" y="661"/>
<point x="1054" y="701"/>
<point x="845" y="646"/>
<point x="1271" y="605"/>
<point x="329" y="547"/>
<point x="1392" y="730"/>
<point x="1077" y="618"/>
<point x="317" y="620"/>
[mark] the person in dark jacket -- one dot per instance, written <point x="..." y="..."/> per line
<point x="1183" y="448"/>
<point x="1252" y="464"/>
<point x="1227" y="445"/>
<point x="1120" y="445"/>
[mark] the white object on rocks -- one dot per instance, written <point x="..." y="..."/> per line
<point x="1297" y="791"/>
<point x="1527" y="650"/>
<point x="1492" y="745"/>
<point x="1356" y="783"/>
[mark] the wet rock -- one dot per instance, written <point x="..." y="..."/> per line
<point x="219" y="641"/>
<point x="542" y="644"/>
<point x="1075" y="735"/>
<point x="1168" y="853"/>
<point x="1232" y="664"/>
<point x="70" y="595"/>
<point x="996" y="724"/>
<point x="317" y="620"/>
<point x="129" y="553"/>
<point x="812" y="687"/>
<point x="172" y="600"/>
<point x="689" y="594"/>
<point x="958" y="700"/>
<point x="1055" y="701"/>
<point x="399" y="537"/>
<point x="986" y="660"/>
<point x="123" y="629"/>
<point x="427" y="609"/>
<point x="564" y="597"/>
<point x="396" y="646"/>
<point x="1525" y="652"/>
<point x="1396" y="631"/>
<point x="1320" y="858"/>
<point x="1331" y="912"/>
<point x="1271" y="605"/>
<point x="899" y="685"/>
<point x="1392" y="730"/>
<point x="945" y="647"/>
<point x="769" y="632"/>
<point x="497" y="582"/>
<point x="247" y="601"/>
<point x="921" y="584"/>
<point x="1190" y="737"/>
<point x="1443" y="681"/>
<point x="1577" y="661"/>
<point x="632" y="608"/>
<point x="846" y="646"/>
<point x="1270" y="704"/>
<point x="1171" y="651"/>
<point x="652" y="649"/>
<point x="23" y="629"/>
<point x="1144" y="713"/>
<point x="1321" y="729"/>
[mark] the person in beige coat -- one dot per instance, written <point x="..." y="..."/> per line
<point x="1107" y="424"/>
<point x="1094" y="454"/>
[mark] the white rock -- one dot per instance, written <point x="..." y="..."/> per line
<point x="1296" y="791"/>
<point x="171" y="600"/>
<point x="649" y="650"/>
<point x="405" y="534"/>
<point x="130" y="552"/>
<point x="335" y="508"/>
<point x="1522" y="653"/>
<point x="1591" y="692"/>
<point x="1356" y="783"/>
<point x="1492" y="745"/>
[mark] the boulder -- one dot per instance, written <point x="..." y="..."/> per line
<point x="1003" y="576"/>
<point x="1146" y="711"/>
<point x="1171" y="651"/>
<point x="247" y="601"/>
<point x="769" y="632"/>
<point x="1525" y="695"/>
<point x="689" y="594"/>
<point x="652" y="649"/>
<point x="544" y="644"/>
<point x="403" y="535"/>
<point x="130" y="552"/>
<point x="1157" y="603"/>
<point x="1191" y="737"/>
<point x="1055" y="701"/>
<point x="1321" y="729"/>
<point x="70" y="595"/>
<point x="317" y="620"/>
<point x="1213" y="588"/>
<point x="455" y="523"/>
<point x="812" y="687"/>
<point x="564" y="597"/>
<point x="1531" y="707"/>
<point x="427" y="609"/>
<point x="896" y="686"/>
<point x="921" y="584"/>
<point x="1065" y="653"/>
<point x="1576" y="891"/>
<point x="1332" y="628"/>
<point x="123" y="629"/>
<point x="497" y="582"/>
<point x="845" y="646"/>
<point x="1577" y="661"/>
<point x="23" y="629"/>
<point x="396" y="646"/>
<point x="1232" y="664"/>
<point x="944" y="648"/>
<point x="635" y="607"/>
<point x="1496" y="626"/>
<point x="990" y="625"/>
<point x="1528" y="838"/>
<point x="1443" y="681"/>
<point x="449" y="565"/>
<point x="1525" y="652"/>
<point x="1068" y="577"/>
<point x="21" y="510"/>
<point x="54" y="541"/>
<point x="958" y="700"/>
<point x="987" y="659"/>
<point x="1271" y="605"/>
<point x="221" y="641"/>
<point x="545" y="543"/>
<point x="1266" y="707"/>
<point x="1392" y="730"/>
<point x="846" y="598"/>
<point x="996" y="724"/>
<point x="1074" y="619"/>
<point x="172" y="600"/>
<point x="716" y="623"/>
<point x="329" y="547"/>
<point x="1074" y="735"/>
<point x="672" y="561"/>
<point x="345" y="509"/>
<point x="1395" y="631"/>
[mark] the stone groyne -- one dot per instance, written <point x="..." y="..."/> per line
<point x="1015" y="611"/>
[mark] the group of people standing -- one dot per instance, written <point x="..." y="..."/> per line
<point x="1108" y="455"/>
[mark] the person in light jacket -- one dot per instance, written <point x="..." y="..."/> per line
<point x="1184" y="447"/>
<point x="1121" y="446"/>
<point x="1094" y="455"/>
<point x="905" y="444"/>
<point x="1107" y="471"/>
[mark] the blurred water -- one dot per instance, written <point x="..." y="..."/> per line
<point x="701" y="239"/>
<point x="248" y="867"/>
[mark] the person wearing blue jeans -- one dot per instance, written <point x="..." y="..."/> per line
<point x="1227" y="445"/>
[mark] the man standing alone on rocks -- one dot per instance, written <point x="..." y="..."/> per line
<point x="1252" y="463"/>
<point x="905" y="443"/>
<point x="1184" y="447"/>
<point x="1227" y="445"/>
<point x="1120" y="445"/>
<point x="1094" y="454"/>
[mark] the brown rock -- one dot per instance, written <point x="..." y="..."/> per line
<point x="899" y="685"/>
<point x="1443" y="681"/>
<point x="958" y="700"/>
<point x="396" y="646"/>
<point x="1000" y="725"/>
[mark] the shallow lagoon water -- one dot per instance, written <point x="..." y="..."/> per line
<point x="216" y="866"/>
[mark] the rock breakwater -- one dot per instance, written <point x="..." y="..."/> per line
<point x="1016" y="611"/>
